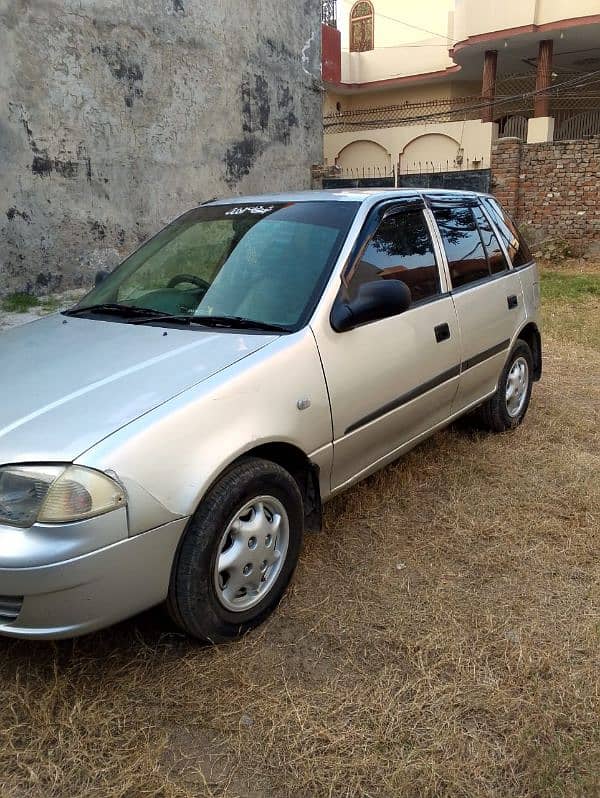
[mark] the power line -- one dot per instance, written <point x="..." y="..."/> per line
<point x="414" y="27"/>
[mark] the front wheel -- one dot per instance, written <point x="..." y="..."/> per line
<point x="507" y="407"/>
<point x="238" y="553"/>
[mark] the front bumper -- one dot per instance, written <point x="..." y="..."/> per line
<point x="87" y="592"/>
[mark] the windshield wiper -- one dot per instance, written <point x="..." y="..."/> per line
<point x="238" y="321"/>
<point x="228" y="322"/>
<point x="114" y="308"/>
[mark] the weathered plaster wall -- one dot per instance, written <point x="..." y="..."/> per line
<point x="117" y="115"/>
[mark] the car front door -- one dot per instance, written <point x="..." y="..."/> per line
<point x="487" y="294"/>
<point x="392" y="379"/>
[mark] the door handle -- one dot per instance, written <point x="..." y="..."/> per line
<point x="442" y="332"/>
<point x="512" y="301"/>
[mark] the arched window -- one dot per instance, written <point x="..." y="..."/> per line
<point x="361" y="27"/>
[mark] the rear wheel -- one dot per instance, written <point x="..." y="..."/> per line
<point x="238" y="553"/>
<point x="507" y="407"/>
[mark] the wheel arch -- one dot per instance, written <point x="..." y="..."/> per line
<point x="297" y="463"/>
<point x="531" y="335"/>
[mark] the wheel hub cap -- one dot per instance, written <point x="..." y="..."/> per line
<point x="517" y="384"/>
<point x="251" y="553"/>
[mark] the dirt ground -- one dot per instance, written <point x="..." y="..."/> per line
<point x="441" y="637"/>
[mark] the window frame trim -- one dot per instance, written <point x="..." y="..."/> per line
<point x="455" y="202"/>
<point x="482" y="281"/>
<point x="490" y="198"/>
<point x="495" y="228"/>
<point x="507" y="264"/>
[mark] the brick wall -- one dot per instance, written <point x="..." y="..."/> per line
<point x="551" y="187"/>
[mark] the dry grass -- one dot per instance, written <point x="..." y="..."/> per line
<point x="442" y="638"/>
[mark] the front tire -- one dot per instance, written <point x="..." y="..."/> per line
<point x="238" y="552"/>
<point x="506" y="409"/>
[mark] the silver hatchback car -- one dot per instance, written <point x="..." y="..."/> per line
<point x="172" y="436"/>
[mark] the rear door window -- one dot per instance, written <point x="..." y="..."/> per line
<point x="516" y="246"/>
<point x="496" y="259"/>
<point x="467" y="259"/>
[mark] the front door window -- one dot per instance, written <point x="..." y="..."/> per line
<point x="400" y="249"/>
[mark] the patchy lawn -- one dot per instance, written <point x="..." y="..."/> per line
<point x="572" y="306"/>
<point x="441" y="638"/>
<point x="20" y="308"/>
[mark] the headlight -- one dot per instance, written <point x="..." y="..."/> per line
<point x="55" y="494"/>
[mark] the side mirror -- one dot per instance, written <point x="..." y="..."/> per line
<point x="375" y="300"/>
<point x="101" y="276"/>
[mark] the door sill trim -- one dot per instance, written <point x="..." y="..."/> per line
<point x="410" y="444"/>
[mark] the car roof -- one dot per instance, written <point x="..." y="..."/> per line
<point x="341" y="195"/>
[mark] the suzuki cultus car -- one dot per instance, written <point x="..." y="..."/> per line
<point x="171" y="437"/>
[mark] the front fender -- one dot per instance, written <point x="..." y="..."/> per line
<point x="168" y="458"/>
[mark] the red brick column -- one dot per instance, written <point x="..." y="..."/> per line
<point x="488" y="85"/>
<point x="506" y="165"/>
<point x="541" y="106"/>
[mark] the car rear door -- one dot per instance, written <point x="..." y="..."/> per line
<point x="391" y="379"/>
<point x="486" y="291"/>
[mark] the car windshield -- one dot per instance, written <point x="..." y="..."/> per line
<point x="266" y="263"/>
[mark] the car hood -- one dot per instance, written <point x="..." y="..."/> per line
<point x="68" y="382"/>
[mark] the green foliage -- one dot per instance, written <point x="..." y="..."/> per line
<point x="571" y="308"/>
<point x="19" y="302"/>
<point x="554" y="249"/>
<point x="571" y="287"/>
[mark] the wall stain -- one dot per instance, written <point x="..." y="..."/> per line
<point x="283" y="127"/>
<point x="123" y="69"/>
<point x="98" y="230"/>
<point x="279" y="50"/>
<point x="260" y="127"/>
<point x="12" y="212"/>
<point x="46" y="281"/>
<point x="285" y="97"/>
<point x="42" y="165"/>
<point x="240" y="158"/>
<point x="66" y="168"/>
<point x="256" y="106"/>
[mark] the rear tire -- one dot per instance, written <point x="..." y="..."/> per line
<point x="238" y="552"/>
<point x="506" y="409"/>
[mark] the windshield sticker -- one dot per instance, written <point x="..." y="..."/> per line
<point x="256" y="210"/>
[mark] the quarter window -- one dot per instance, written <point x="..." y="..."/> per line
<point x="464" y="249"/>
<point x="496" y="258"/>
<point x="401" y="249"/>
<point x="517" y="248"/>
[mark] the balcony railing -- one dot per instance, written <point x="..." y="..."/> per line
<point x="576" y="111"/>
<point x="446" y="110"/>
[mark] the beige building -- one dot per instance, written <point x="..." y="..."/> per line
<point x="427" y="87"/>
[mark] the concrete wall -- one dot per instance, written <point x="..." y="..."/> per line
<point x="553" y="188"/>
<point x="435" y="143"/>
<point x="117" y="115"/>
<point x="401" y="49"/>
<point x="475" y="18"/>
<point x="390" y="18"/>
<point x="360" y="154"/>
